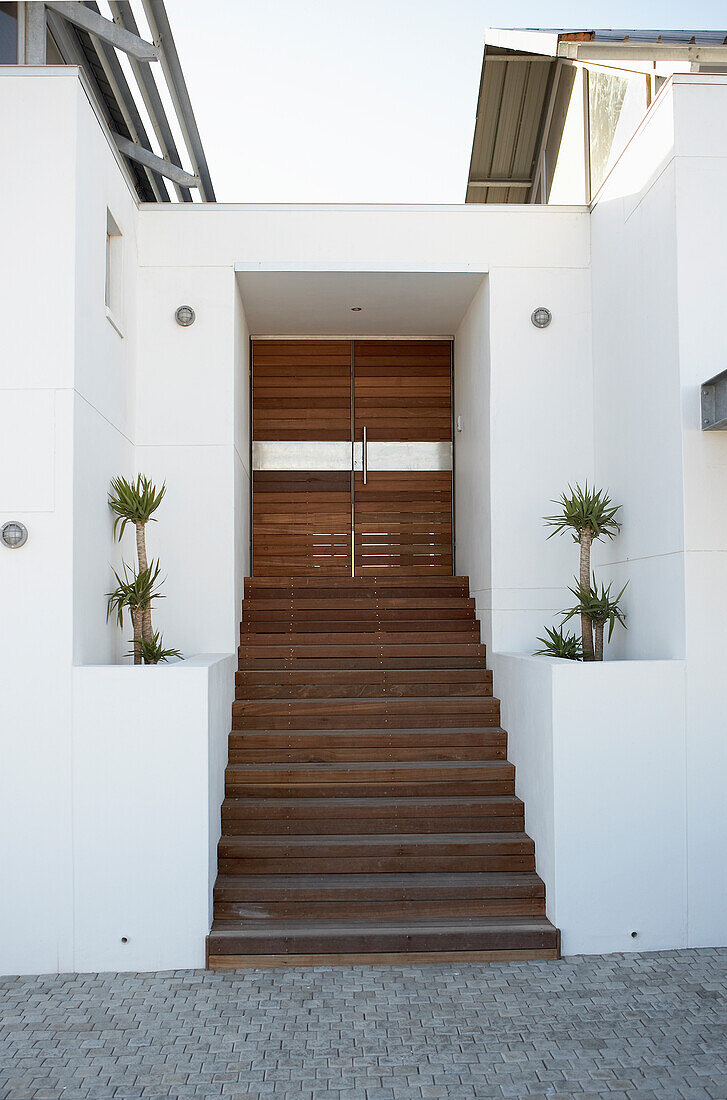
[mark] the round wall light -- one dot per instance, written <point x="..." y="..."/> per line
<point x="184" y="316"/>
<point x="541" y="317"/>
<point x="14" y="534"/>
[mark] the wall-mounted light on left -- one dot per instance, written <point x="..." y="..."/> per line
<point x="14" y="534"/>
<point x="184" y="316"/>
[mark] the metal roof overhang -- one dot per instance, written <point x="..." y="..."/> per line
<point x="527" y="77"/>
<point x="516" y="100"/>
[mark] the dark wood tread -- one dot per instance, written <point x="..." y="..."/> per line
<point x="379" y="769"/>
<point x="375" y="852"/>
<point x="414" y="735"/>
<point x="355" y="936"/>
<point x="367" y="807"/>
<point x="385" y="887"/>
<point x="342" y="844"/>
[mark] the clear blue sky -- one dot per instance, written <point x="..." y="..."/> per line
<point x="352" y="101"/>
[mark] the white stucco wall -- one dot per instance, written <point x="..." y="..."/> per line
<point x="659" y="231"/>
<point x="600" y="753"/>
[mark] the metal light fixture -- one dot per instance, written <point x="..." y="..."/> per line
<point x="14" y="534"/>
<point x="541" y="317"/>
<point x="355" y="309"/>
<point x="184" y="316"/>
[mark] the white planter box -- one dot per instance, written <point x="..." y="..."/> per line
<point x="601" y="766"/>
<point x="149" y="753"/>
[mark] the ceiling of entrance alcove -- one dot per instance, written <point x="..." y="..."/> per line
<point x="320" y="303"/>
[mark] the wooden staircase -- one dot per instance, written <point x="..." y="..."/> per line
<point x="370" y="811"/>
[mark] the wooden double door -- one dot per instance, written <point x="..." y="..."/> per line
<point x="351" y="457"/>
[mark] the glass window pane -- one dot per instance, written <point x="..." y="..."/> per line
<point x="606" y="95"/>
<point x="8" y="34"/>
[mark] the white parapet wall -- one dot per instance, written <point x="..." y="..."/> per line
<point x="601" y="758"/>
<point x="149" y="754"/>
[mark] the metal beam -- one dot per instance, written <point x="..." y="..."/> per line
<point x="603" y="52"/>
<point x="35" y="34"/>
<point x="105" y="29"/>
<point x="122" y="94"/>
<point x="500" y="182"/>
<point x="124" y="16"/>
<point x="72" y="53"/>
<point x="162" y="33"/>
<point x="539" y="176"/>
<point x="157" y="164"/>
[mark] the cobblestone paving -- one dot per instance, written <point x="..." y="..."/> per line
<point x="651" y="1025"/>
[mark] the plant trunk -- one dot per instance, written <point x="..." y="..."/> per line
<point x="586" y="538"/>
<point x="136" y="621"/>
<point x="146" y="627"/>
<point x="598" y="630"/>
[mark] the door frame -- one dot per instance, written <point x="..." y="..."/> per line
<point x="424" y="339"/>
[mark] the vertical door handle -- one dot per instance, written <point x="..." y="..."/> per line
<point x="364" y="461"/>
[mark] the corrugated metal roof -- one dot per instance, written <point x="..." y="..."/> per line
<point x="514" y="90"/>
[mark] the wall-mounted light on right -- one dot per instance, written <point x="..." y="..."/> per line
<point x="541" y="317"/>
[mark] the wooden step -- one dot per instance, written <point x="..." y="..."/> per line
<point x="359" y="685"/>
<point x="349" y="650"/>
<point x="354" y="888"/>
<point x="375" y="853"/>
<point x="412" y="778"/>
<point x="351" y="714"/>
<point x="438" y="743"/>
<point x="416" y="636"/>
<point x="359" y="937"/>
<point x="372" y="815"/>
<point x="307" y="663"/>
<point x="358" y="607"/>
<point x="245" y="897"/>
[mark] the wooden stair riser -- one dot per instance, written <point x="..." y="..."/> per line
<point x="374" y="683"/>
<point x="361" y="816"/>
<point x="393" y="624"/>
<point x="423" y="739"/>
<point x="389" y="665"/>
<point x="346" y="651"/>
<point x="518" y="933"/>
<point x="236" y="787"/>
<point x="334" y="714"/>
<point x="409" y="772"/>
<point x="315" y="910"/>
<point x="382" y="864"/>
<point x="323" y="754"/>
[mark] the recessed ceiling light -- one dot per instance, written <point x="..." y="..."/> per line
<point x="355" y="309"/>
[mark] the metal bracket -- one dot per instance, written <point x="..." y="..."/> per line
<point x="714" y="403"/>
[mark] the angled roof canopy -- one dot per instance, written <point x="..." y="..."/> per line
<point x="525" y="86"/>
<point x="83" y="36"/>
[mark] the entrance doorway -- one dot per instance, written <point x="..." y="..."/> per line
<point x="351" y="457"/>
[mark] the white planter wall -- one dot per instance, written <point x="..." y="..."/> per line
<point x="601" y="760"/>
<point x="149" y="753"/>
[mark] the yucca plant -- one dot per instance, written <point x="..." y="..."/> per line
<point x="135" y="502"/>
<point x="589" y="514"/>
<point x="600" y="609"/>
<point x="558" y="644"/>
<point x="152" y="653"/>
<point x="134" y="593"/>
